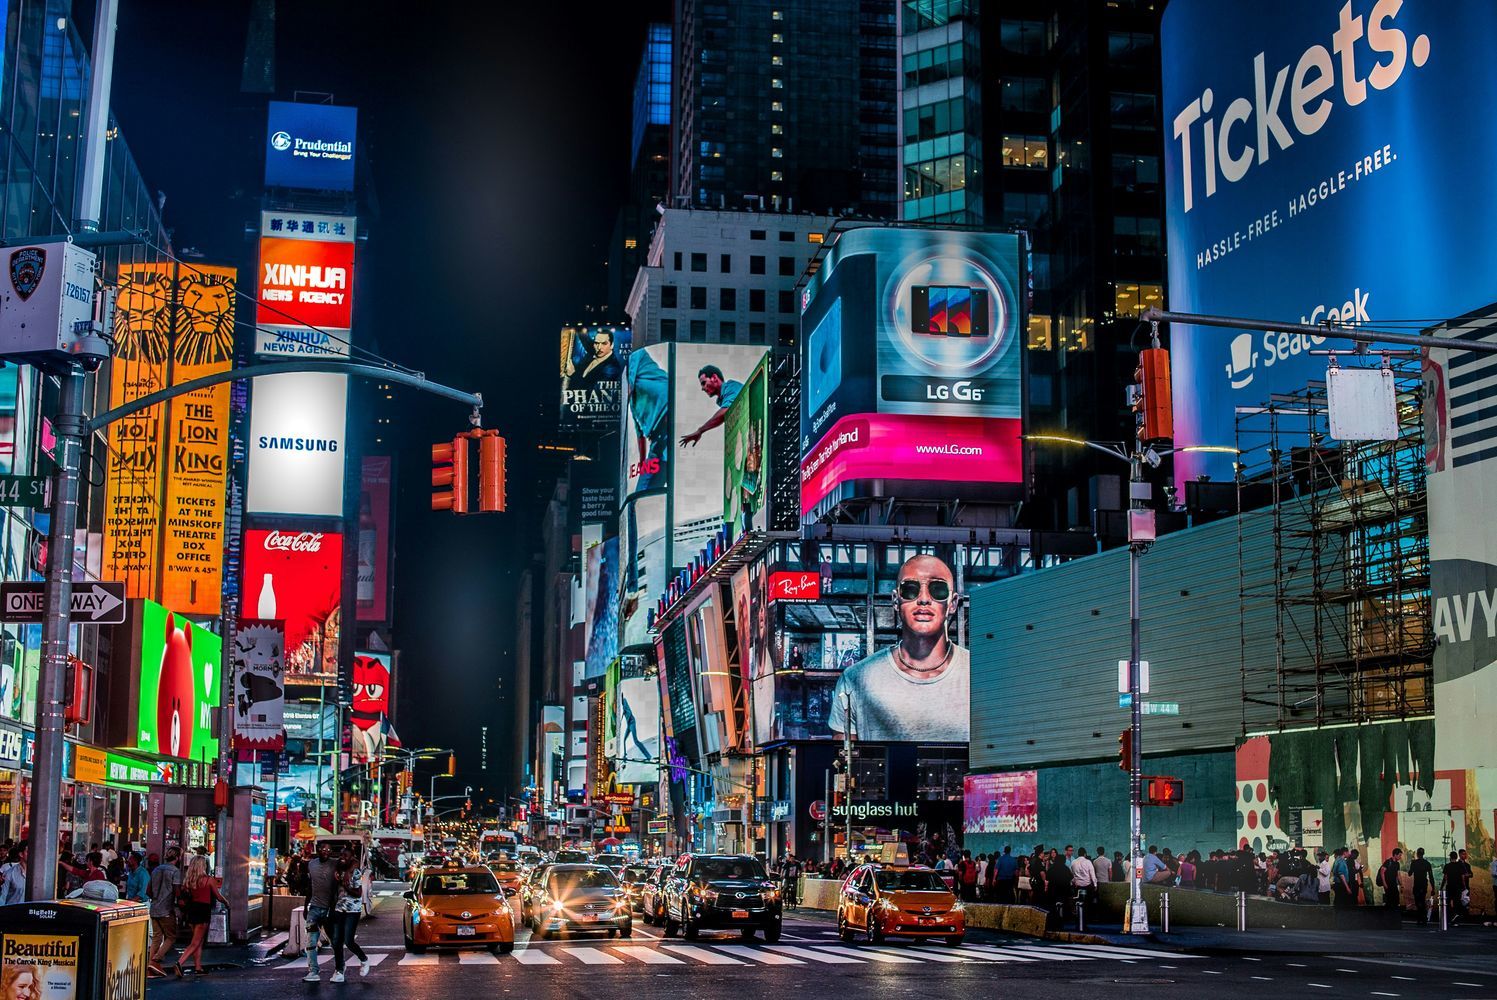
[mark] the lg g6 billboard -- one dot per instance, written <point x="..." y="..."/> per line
<point x="911" y="354"/>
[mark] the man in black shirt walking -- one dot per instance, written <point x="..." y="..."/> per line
<point x="1424" y="875"/>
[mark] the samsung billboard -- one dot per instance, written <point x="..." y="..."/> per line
<point x="911" y="354"/>
<point x="310" y="146"/>
<point x="1324" y="160"/>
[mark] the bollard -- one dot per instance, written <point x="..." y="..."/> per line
<point x="1444" y="912"/>
<point x="1164" y="912"/>
<point x="1242" y="911"/>
<point x="1080" y="916"/>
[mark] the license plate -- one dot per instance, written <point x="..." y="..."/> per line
<point x="588" y="916"/>
<point x="927" y="920"/>
<point x="740" y="914"/>
<point x="465" y="932"/>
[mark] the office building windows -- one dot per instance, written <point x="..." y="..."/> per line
<point x="727" y="331"/>
<point x="1025" y="93"/>
<point x="936" y="119"/>
<point x="787" y="333"/>
<point x="698" y="331"/>
<point x="1025" y="151"/>
<point x="698" y="297"/>
<point x="727" y="298"/>
<point x="667" y="329"/>
<point x="949" y="173"/>
<point x="699" y="262"/>
<point x="1134" y="112"/>
<point x="668" y="296"/>
<point x="758" y="234"/>
<point x="756" y="263"/>
<point x="1136" y="236"/>
<point x="787" y="300"/>
<point x="787" y="267"/>
<point x="756" y="300"/>
<point x="1022" y="38"/>
<point x="756" y="333"/>
<point x="676" y="261"/>
<point x="725" y="264"/>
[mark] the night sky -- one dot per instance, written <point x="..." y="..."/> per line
<point x="497" y="141"/>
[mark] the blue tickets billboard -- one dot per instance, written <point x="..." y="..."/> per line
<point x="310" y="146"/>
<point x="1324" y="160"/>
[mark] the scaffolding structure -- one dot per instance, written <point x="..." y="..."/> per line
<point x="1349" y="587"/>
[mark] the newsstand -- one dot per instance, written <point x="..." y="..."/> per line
<point x="72" y="949"/>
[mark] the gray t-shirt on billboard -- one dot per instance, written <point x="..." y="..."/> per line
<point x="889" y="704"/>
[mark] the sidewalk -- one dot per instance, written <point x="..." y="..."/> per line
<point x="1426" y="942"/>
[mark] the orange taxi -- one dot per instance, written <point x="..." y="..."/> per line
<point x="879" y="902"/>
<point x="458" y="906"/>
<point x="507" y="873"/>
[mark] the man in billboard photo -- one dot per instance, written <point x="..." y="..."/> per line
<point x="602" y="364"/>
<point x="723" y="390"/>
<point x="919" y="688"/>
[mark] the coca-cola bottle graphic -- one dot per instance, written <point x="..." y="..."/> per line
<point x="364" y="591"/>
<point x="266" y="608"/>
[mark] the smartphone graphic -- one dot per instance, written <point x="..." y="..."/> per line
<point x="949" y="310"/>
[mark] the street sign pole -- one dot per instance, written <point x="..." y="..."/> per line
<point x="46" y="768"/>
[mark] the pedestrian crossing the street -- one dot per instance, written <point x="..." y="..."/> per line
<point x="653" y="951"/>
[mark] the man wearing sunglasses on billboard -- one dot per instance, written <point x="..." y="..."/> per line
<point x="919" y="688"/>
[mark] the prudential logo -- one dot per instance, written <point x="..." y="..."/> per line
<point x="280" y="141"/>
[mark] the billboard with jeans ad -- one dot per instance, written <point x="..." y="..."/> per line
<point x="708" y="378"/>
<point x="1320" y="164"/>
<point x="912" y="361"/>
<point x="645" y="420"/>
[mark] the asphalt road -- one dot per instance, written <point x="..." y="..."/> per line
<point x="810" y="962"/>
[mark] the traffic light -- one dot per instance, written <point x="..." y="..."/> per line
<point x="840" y="763"/>
<point x="1153" y="406"/>
<point x="490" y="472"/>
<point x="1125" y="750"/>
<point x="452" y="765"/>
<point x="1159" y="791"/>
<point x="450" y="469"/>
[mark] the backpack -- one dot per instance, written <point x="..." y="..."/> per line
<point x="968" y="871"/>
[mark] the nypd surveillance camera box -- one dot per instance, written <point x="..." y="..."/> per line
<point x="46" y="291"/>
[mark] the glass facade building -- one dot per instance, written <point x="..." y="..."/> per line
<point x="652" y="88"/>
<point x="44" y="87"/>
<point x="785" y="106"/>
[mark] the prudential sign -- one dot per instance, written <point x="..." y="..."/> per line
<point x="1324" y="160"/>
<point x="310" y="146"/>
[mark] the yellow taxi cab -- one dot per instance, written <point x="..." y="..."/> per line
<point x="455" y="906"/>
<point x="506" y="872"/>
<point x="905" y="901"/>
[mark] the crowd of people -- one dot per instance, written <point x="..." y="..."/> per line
<point x="181" y="893"/>
<point x="1058" y="879"/>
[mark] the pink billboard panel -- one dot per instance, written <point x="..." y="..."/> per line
<point x="912" y="447"/>
<point x="1007" y="802"/>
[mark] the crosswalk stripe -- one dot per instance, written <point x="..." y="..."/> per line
<point x="377" y="958"/>
<point x="476" y="958"/>
<point x="760" y="955"/>
<point x="874" y="955"/>
<point x="529" y="957"/>
<point x="592" y="956"/>
<point x="1111" y="951"/>
<point x="924" y="954"/>
<point x="1046" y="953"/>
<point x="409" y="959"/>
<point x="989" y="956"/>
<point x="649" y="956"/>
<point x="816" y="955"/>
<point x="703" y="955"/>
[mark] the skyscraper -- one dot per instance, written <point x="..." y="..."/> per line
<point x="784" y="105"/>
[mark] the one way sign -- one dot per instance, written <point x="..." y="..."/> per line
<point x="93" y="603"/>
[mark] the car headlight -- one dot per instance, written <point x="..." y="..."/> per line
<point x="957" y="907"/>
<point x="426" y="912"/>
<point x="709" y="895"/>
<point x="887" y="905"/>
<point x="771" y="893"/>
<point x="621" y="903"/>
<point x="556" y="906"/>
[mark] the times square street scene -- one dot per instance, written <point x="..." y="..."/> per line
<point x="1005" y="514"/>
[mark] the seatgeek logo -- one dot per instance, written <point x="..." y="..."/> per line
<point x="1227" y="153"/>
<point x="1278" y="346"/>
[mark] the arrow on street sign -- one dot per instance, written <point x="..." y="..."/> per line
<point x="93" y="603"/>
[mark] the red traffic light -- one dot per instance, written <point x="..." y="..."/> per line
<point x="491" y="454"/>
<point x="1160" y="791"/>
<point x="450" y="469"/>
<point x="1125" y="751"/>
<point x="1152" y="401"/>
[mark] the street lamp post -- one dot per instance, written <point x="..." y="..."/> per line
<point x="1140" y="537"/>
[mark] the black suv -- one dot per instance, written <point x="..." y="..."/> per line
<point x="710" y="891"/>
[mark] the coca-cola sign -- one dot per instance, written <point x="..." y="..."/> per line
<point x="302" y="541"/>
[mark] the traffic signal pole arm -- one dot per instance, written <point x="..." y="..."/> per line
<point x="415" y="380"/>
